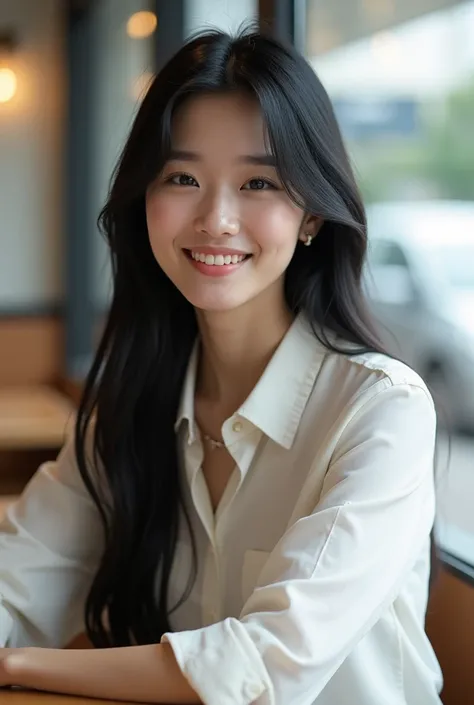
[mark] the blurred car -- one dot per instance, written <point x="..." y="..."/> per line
<point x="420" y="281"/>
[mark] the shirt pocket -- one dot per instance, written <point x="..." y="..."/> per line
<point x="253" y="564"/>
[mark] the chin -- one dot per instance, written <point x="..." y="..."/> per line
<point x="217" y="304"/>
<point x="218" y="307"/>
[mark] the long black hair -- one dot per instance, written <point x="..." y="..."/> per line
<point x="132" y="392"/>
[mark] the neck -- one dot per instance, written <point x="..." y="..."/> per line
<point x="236" y="346"/>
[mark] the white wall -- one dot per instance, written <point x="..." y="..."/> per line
<point x="31" y="157"/>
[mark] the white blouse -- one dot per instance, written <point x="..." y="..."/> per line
<point x="312" y="579"/>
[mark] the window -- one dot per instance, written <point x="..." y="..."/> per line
<point x="406" y="111"/>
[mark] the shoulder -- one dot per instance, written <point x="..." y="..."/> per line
<point x="370" y="368"/>
<point x="348" y="384"/>
<point x="315" y="387"/>
<point x="377" y="388"/>
<point x="371" y="418"/>
<point x="352" y="370"/>
<point x="381" y="369"/>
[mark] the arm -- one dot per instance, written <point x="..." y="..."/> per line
<point x="147" y="674"/>
<point x="50" y="545"/>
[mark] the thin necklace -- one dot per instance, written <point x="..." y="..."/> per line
<point x="212" y="442"/>
<point x="220" y="444"/>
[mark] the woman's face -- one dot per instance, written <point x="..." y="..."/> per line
<point x="220" y="223"/>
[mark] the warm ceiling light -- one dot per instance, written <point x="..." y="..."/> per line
<point x="141" y="25"/>
<point x="7" y="85"/>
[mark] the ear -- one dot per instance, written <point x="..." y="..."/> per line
<point x="311" y="225"/>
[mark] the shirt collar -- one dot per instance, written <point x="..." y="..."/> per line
<point x="278" y="400"/>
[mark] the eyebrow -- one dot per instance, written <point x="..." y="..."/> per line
<point x="256" y="159"/>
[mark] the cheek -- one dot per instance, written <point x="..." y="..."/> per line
<point x="164" y="218"/>
<point x="158" y="215"/>
<point x="278" y="226"/>
<point x="161" y="233"/>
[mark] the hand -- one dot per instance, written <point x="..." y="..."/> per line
<point x="12" y="662"/>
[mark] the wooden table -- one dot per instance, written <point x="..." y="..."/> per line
<point x="23" y="697"/>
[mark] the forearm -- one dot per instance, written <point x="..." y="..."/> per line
<point x="146" y="674"/>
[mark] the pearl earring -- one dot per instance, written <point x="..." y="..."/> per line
<point x="309" y="239"/>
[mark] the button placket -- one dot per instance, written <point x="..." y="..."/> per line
<point x="212" y="586"/>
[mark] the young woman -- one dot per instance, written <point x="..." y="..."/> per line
<point x="244" y="514"/>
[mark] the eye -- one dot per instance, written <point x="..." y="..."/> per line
<point x="258" y="184"/>
<point x="182" y="179"/>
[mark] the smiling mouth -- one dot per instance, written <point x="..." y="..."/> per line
<point x="217" y="260"/>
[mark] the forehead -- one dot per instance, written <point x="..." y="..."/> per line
<point x="231" y="121"/>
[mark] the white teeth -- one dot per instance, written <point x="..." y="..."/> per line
<point x="217" y="260"/>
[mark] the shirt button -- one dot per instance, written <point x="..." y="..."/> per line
<point x="237" y="427"/>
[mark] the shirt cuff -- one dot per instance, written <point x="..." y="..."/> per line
<point x="221" y="662"/>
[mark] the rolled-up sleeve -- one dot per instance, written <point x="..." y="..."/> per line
<point x="50" y="545"/>
<point x="336" y="570"/>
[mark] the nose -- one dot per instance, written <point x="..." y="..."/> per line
<point x="218" y="217"/>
